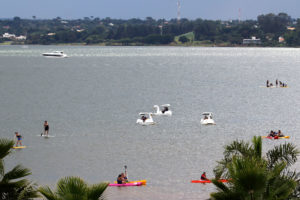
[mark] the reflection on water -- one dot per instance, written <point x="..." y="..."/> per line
<point x="92" y="100"/>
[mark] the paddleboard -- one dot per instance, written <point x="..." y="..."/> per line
<point x="269" y="137"/>
<point x="126" y="184"/>
<point x="20" y="147"/>
<point x="142" y="181"/>
<point x="47" y="136"/>
<point x="208" y="181"/>
<point x="272" y="86"/>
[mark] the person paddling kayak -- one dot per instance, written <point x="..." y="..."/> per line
<point x="203" y="176"/>
<point x="121" y="179"/>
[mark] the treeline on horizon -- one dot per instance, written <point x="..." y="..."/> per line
<point x="149" y="31"/>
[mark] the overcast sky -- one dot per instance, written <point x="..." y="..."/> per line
<point x="158" y="9"/>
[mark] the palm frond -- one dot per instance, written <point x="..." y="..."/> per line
<point x="74" y="188"/>
<point x="96" y="191"/>
<point x="1" y="169"/>
<point x="5" y="147"/>
<point x="237" y="148"/>
<point x="71" y="185"/>
<point x="28" y="192"/>
<point x="47" y="193"/>
<point x="283" y="153"/>
<point x="257" y="146"/>
<point x="16" y="173"/>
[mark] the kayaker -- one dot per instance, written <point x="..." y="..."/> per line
<point x="272" y="134"/>
<point x="19" y="139"/>
<point x="203" y="176"/>
<point x="280" y="134"/>
<point x="121" y="179"/>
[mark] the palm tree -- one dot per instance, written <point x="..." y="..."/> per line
<point x="252" y="176"/>
<point x="12" y="184"/>
<point x="251" y="179"/>
<point x="283" y="153"/>
<point x="74" y="188"/>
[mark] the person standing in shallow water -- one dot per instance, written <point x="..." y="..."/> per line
<point x="46" y="128"/>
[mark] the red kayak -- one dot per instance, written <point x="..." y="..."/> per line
<point x="208" y="181"/>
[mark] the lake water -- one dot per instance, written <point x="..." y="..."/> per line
<point x="92" y="100"/>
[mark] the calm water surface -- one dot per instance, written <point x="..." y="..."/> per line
<point x="92" y="100"/>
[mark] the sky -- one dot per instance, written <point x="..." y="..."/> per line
<point x="157" y="9"/>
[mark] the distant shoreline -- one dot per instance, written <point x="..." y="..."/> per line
<point x="145" y="45"/>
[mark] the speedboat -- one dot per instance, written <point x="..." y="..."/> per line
<point x="165" y="111"/>
<point x="59" y="54"/>
<point x="146" y="119"/>
<point x="207" y="119"/>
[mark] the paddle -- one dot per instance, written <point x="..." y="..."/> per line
<point x="126" y="172"/>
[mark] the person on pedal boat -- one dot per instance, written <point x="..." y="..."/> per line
<point x="165" y="109"/>
<point x="144" y="118"/>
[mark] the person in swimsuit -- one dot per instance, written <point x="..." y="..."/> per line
<point x="203" y="176"/>
<point x="19" y="139"/>
<point x="46" y="128"/>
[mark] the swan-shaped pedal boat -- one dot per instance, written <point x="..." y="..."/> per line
<point x="207" y="119"/>
<point x="146" y="119"/>
<point x="165" y="111"/>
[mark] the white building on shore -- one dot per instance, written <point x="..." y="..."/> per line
<point x="253" y="40"/>
<point x="13" y="36"/>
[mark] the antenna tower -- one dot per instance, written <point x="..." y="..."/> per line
<point x="178" y="11"/>
<point x="240" y="15"/>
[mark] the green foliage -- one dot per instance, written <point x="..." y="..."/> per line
<point x="12" y="183"/>
<point x="91" y="30"/>
<point x="183" y="39"/>
<point x="74" y="188"/>
<point x="253" y="176"/>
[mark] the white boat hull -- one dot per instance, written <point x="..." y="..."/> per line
<point x="207" y="122"/>
<point x="167" y="113"/>
<point x="145" y="123"/>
